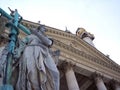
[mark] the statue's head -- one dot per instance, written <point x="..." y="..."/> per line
<point x="42" y="28"/>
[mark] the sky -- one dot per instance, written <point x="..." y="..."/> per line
<point x="99" y="17"/>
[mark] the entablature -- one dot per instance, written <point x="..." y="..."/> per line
<point x="80" y="58"/>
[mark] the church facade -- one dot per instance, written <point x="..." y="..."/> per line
<point x="81" y="65"/>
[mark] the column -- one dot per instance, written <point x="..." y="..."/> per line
<point x="99" y="83"/>
<point x="70" y="77"/>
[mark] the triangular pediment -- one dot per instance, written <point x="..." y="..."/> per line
<point x="76" y="44"/>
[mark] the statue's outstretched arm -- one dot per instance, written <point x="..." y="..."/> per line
<point x="48" y="42"/>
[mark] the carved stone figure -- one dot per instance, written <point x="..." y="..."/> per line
<point x="37" y="70"/>
<point x="33" y="61"/>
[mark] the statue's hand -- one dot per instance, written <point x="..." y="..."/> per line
<point x="17" y="53"/>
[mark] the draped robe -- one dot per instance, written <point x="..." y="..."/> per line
<point x="37" y="70"/>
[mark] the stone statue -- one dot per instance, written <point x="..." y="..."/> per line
<point x="37" y="70"/>
<point x="33" y="60"/>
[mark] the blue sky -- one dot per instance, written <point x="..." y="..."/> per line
<point x="99" y="17"/>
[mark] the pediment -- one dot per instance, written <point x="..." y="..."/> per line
<point x="73" y="41"/>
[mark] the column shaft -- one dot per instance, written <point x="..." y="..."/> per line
<point x="100" y="84"/>
<point x="71" y="79"/>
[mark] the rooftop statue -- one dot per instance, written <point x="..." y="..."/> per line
<point x="86" y="36"/>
